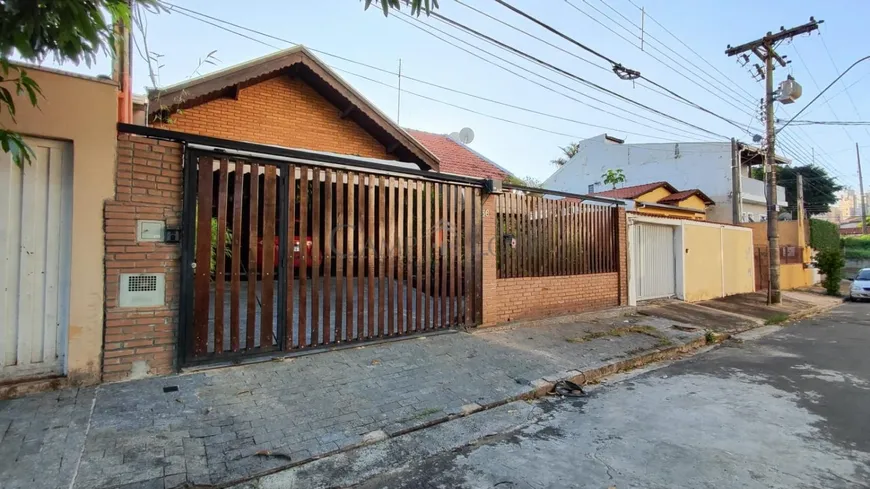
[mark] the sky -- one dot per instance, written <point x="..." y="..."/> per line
<point x="684" y="51"/>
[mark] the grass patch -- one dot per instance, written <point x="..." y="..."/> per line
<point x="777" y="319"/>
<point x="710" y="337"/>
<point x="619" y="332"/>
<point x="424" y="413"/>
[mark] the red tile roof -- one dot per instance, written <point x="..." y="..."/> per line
<point x="685" y="194"/>
<point x="456" y="158"/>
<point x="634" y="191"/>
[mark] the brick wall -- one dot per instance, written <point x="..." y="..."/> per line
<point x="141" y="341"/>
<point x="284" y="111"/>
<point x="536" y="297"/>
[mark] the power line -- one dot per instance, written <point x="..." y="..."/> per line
<point x="827" y="102"/>
<point x="675" y="70"/>
<point x="424" y="82"/>
<point x="828" y="123"/>
<point x="722" y="76"/>
<point x="621" y="71"/>
<point x="567" y="73"/>
<point x="489" y="61"/>
<point x="548" y="43"/>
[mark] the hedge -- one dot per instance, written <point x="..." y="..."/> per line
<point x="824" y="235"/>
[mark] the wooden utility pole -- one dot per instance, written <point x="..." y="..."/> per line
<point x="736" y="185"/>
<point x="800" y="198"/>
<point x="861" y="184"/>
<point x="763" y="48"/>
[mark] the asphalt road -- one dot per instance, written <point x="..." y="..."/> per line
<point x="787" y="410"/>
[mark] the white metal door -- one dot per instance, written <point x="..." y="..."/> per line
<point x="653" y="261"/>
<point x="35" y="207"/>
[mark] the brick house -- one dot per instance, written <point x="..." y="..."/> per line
<point x="291" y="107"/>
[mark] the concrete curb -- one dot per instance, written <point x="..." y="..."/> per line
<point x="812" y="311"/>
<point x="539" y="389"/>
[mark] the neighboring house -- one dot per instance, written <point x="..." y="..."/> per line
<point x="52" y="233"/>
<point x="703" y="166"/>
<point x="289" y="99"/>
<point x="662" y="199"/>
<point x="458" y="158"/>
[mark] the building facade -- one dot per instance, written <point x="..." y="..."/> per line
<point x="703" y="166"/>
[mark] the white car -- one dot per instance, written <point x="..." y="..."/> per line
<point x="860" y="289"/>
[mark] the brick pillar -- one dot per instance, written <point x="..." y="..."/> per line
<point x="490" y="271"/>
<point x="622" y="230"/>
<point x="140" y="341"/>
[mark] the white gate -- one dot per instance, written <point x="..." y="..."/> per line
<point x="35" y="219"/>
<point x="653" y="261"/>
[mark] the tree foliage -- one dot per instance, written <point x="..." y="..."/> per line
<point x="568" y="152"/>
<point x="613" y="177"/>
<point x="819" y="188"/>
<point x="830" y="263"/>
<point x="68" y="30"/>
<point x="824" y="235"/>
<point x="417" y="6"/>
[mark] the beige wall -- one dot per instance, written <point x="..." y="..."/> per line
<point x="718" y="261"/>
<point x="794" y="276"/>
<point x="739" y="261"/>
<point x="83" y="111"/>
<point x="790" y="233"/>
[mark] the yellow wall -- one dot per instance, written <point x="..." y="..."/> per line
<point x="703" y="263"/>
<point x="739" y="261"/>
<point x="685" y="213"/>
<point x="653" y="195"/>
<point x="718" y="261"/>
<point x="790" y="233"/>
<point x="693" y="202"/>
<point x="694" y="207"/>
<point x="793" y="276"/>
<point x="83" y="111"/>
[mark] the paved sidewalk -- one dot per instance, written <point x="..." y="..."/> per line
<point x="209" y="430"/>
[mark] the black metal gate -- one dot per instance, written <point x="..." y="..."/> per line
<point x="280" y="256"/>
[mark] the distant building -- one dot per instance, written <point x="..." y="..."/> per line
<point x="702" y="166"/>
<point x="662" y="199"/>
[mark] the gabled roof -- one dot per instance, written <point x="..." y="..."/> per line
<point x="685" y="194"/>
<point x="296" y="61"/>
<point x="458" y="158"/>
<point x="635" y="191"/>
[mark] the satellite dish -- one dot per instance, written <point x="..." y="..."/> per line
<point x="466" y="135"/>
<point x="454" y="136"/>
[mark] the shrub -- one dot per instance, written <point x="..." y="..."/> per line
<point x="830" y="262"/>
<point x="824" y="234"/>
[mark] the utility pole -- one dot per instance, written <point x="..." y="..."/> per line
<point x="800" y="198"/>
<point x="861" y="184"/>
<point x="764" y="49"/>
<point x="736" y="185"/>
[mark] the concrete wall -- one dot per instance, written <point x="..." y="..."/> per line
<point x="794" y="276"/>
<point x="712" y="260"/>
<point x="719" y="261"/>
<point x="791" y="233"/>
<point x="82" y="111"/>
<point x="510" y="299"/>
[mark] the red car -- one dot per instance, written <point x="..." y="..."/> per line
<point x="297" y="252"/>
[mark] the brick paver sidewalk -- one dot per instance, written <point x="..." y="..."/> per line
<point x="209" y="430"/>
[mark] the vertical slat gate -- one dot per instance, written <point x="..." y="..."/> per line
<point x="220" y="258"/>
<point x="296" y="256"/>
